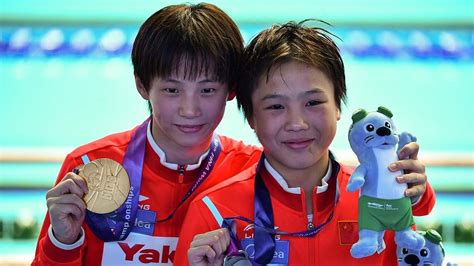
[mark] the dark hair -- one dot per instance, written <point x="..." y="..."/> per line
<point x="282" y="43"/>
<point x="197" y="38"/>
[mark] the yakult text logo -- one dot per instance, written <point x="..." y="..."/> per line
<point x="147" y="255"/>
<point x="139" y="249"/>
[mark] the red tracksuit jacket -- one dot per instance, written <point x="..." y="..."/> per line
<point x="235" y="197"/>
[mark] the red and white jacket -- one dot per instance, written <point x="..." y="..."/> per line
<point x="162" y="188"/>
<point x="331" y="246"/>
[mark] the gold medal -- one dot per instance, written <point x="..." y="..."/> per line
<point x="108" y="185"/>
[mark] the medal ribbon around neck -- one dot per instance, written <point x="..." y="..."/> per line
<point x="264" y="232"/>
<point x="118" y="224"/>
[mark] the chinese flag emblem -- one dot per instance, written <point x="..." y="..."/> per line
<point x="348" y="232"/>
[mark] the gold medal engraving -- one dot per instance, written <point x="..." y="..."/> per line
<point x="108" y="185"/>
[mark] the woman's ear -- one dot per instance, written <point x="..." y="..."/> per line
<point x="140" y="88"/>
<point x="338" y="114"/>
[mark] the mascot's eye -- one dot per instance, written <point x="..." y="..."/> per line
<point x="405" y="251"/>
<point x="387" y="124"/>
<point x="369" y="128"/>
<point x="424" y="252"/>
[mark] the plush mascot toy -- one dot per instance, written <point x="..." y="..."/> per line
<point x="382" y="202"/>
<point x="432" y="253"/>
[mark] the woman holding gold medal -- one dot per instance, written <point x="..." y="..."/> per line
<point x="122" y="199"/>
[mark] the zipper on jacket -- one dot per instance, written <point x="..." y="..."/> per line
<point x="181" y="169"/>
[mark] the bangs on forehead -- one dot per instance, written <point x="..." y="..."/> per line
<point x="270" y="66"/>
<point x="190" y="66"/>
<point x="298" y="57"/>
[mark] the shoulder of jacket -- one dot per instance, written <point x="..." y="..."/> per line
<point x="230" y="145"/>
<point x="117" y="140"/>
<point x="242" y="180"/>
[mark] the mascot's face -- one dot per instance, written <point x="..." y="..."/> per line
<point x="374" y="130"/>
<point x="430" y="255"/>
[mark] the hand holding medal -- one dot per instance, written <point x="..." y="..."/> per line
<point x="100" y="186"/>
<point x="66" y="208"/>
<point x="108" y="184"/>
